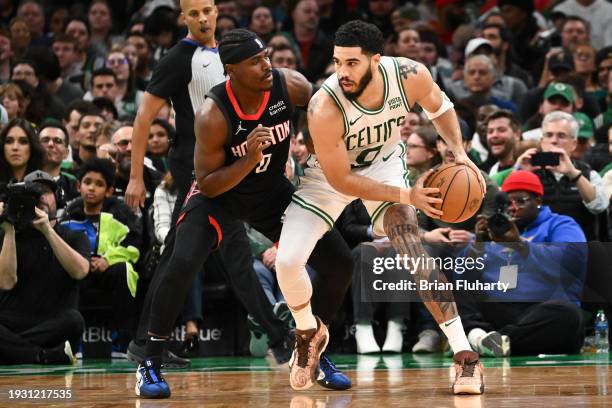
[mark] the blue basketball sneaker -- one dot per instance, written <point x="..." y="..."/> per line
<point x="330" y="377"/>
<point x="150" y="382"/>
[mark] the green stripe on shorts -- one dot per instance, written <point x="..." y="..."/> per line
<point x="313" y="208"/>
<point x="379" y="210"/>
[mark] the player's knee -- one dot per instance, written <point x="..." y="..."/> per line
<point x="286" y="264"/>
<point x="399" y="214"/>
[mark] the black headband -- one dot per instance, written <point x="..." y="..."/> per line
<point x="233" y="51"/>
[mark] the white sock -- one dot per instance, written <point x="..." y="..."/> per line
<point x="453" y="329"/>
<point x="304" y="319"/>
<point x="475" y="335"/>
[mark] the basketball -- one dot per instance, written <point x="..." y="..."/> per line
<point x="460" y="191"/>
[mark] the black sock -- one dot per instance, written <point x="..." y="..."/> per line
<point x="154" y="347"/>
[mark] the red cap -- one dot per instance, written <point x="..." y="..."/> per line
<point x="523" y="180"/>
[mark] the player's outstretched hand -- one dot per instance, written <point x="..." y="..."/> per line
<point x="423" y="198"/>
<point x="257" y="141"/>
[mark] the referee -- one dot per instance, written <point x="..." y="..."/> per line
<point x="184" y="76"/>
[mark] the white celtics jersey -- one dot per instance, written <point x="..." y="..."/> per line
<point x="372" y="135"/>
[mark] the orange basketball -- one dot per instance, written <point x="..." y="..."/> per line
<point x="460" y="190"/>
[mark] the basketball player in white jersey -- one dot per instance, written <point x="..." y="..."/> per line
<point x="354" y="122"/>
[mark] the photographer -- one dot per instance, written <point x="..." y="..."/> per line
<point x="542" y="257"/>
<point x="571" y="187"/>
<point x="40" y="266"/>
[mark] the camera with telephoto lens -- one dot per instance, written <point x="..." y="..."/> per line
<point x="500" y="222"/>
<point x="20" y="200"/>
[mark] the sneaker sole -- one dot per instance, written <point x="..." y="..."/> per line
<point x="468" y="389"/>
<point x="313" y="379"/>
<point x="492" y="345"/>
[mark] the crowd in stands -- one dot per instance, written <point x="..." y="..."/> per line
<point x="526" y="77"/>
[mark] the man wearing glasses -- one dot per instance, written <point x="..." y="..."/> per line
<point x="541" y="261"/>
<point x="53" y="137"/>
<point x="571" y="188"/>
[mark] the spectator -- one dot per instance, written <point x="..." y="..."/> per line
<point x="100" y="21"/>
<point x="225" y="23"/>
<point x="603" y="60"/>
<point x="229" y="8"/>
<point x="105" y="149"/>
<point x="540" y="312"/>
<point x="6" y="54"/>
<point x="88" y="59"/>
<point x="262" y="22"/>
<point x="145" y="54"/>
<point x="433" y="54"/>
<point x="71" y="120"/>
<point x="519" y="19"/>
<point x="500" y="41"/>
<point x="34" y="16"/>
<point x="41" y="265"/>
<point x="572" y="188"/>
<point x="160" y="135"/>
<point x="584" y="61"/>
<point x="54" y="139"/>
<point x="128" y="97"/>
<point x="503" y="137"/>
<point x="557" y="97"/>
<point x="411" y="122"/>
<point x="20" y="37"/>
<point x="585" y="139"/>
<point x="574" y="32"/>
<point x="122" y="139"/>
<point x="65" y="48"/>
<point x="103" y="85"/>
<point x="107" y="108"/>
<point x="13" y="100"/>
<point x="605" y="172"/>
<point x="597" y="12"/>
<point x="283" y="56"/>
<point x="114" y="238"/>
<point x="316" y="48"/>
<point x="50" y="77"/>
<point x="42" y="104"/>
<point x="89" y="123"/>
<point x="506" y="87"/>
<point x="130" y="52"/>
<point x="58" y="18"/>
<point x="22" y="153"/>
<point x="478" y="79"/>
<point x="421" y="152"/>
<point x="407" y="44"/>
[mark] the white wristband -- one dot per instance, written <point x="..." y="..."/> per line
<point x="446" y="105"/>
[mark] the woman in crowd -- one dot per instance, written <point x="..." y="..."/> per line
<point x="160" y="135"/>
<point x="22" y="152"/>
<point x="13" y="100"/>
<point x="129" y="97"/>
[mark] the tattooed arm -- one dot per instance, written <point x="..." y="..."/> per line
<point x="421" y="89"/>
<point x="400" y="223"/>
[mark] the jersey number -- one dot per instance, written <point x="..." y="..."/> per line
<point x="264" y="163"/>
<point x="367" y="156"/>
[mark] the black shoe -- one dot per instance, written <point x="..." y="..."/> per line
<point x="283" y="350"/>
<point x="189" y="348"/>
<point x="136" y="354"/>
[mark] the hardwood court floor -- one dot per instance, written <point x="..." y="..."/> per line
<point x="379" y="381"/>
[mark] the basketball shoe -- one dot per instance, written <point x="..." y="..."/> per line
<point x="494" y="344"/>
<point x="330" y="377"/>
<point x="469" y="373"/>
<point x="150" y="382"/>
<point x="309" y="345"/>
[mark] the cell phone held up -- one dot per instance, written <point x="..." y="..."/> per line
<point x="543" y="159"/>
